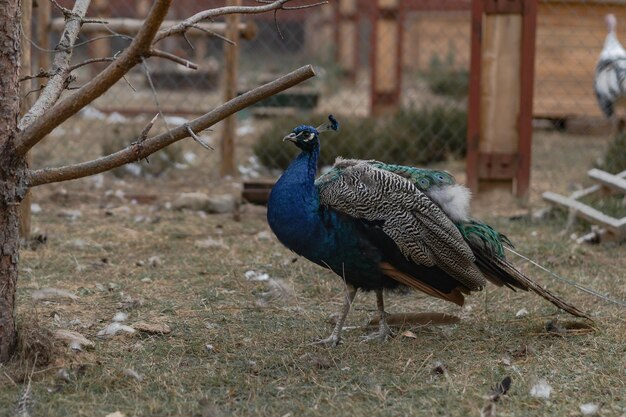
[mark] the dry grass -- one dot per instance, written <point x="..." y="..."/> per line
<point x="259" y="361"/>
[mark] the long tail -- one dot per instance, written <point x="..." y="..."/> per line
<point x="500" y="272"/>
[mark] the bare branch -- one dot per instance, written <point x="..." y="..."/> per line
<point x="210" y="14"/>
<point x="130" y="27"/>
<point x="68" y="106"/>
<point x="147" y="147"/>
<point x="174" y="58"/>
<point x="217" y="35"/>
<point x="40" y="74"/>
<point x="58" y="81"/>
<point x="90" y="61"/>
<point x="144" y="132"/>
<point x="198" y="139"/>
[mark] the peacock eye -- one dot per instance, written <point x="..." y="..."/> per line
<point x="308" y="137"/>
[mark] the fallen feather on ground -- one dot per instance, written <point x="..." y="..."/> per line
<point x="256" y="276"/>
<point x="541" y="389"/>
<point x="114" y="328"/>
<point x="53" y="294"/>
<point x="120" y="316"/>
<point x="75" y="340"/>
<point x="589" y="409"/>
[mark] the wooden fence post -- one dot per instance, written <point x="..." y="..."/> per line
<point x="386" y="56"/>
<point x="501" y="94"/>
<point x="347" y="38"/>
<point x="231" y="61"/>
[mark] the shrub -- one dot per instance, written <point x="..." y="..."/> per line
<point x="614" y="160"/>
<point x="411" y="137"/>
<point x="445" y="79"/>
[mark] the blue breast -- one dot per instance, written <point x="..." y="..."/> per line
<point x="320" y="234"/>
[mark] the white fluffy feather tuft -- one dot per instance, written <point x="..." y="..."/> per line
<point x="454" y="200"/>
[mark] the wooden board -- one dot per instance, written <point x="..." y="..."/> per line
<point x="570" y="36"/>
<point x="500" y="83"/>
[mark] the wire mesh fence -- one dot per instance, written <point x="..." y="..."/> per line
<point x="428" y="64"/>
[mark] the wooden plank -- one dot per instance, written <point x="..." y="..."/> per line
<point x="617" y="226"/>
<point x="500" y="83"/>
<point x="614" y="182"/>
<point x="590" y="190"/>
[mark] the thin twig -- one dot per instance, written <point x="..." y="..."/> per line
<point x="91" y="61"/>
<point x="198" y="139"/>
<point x="221" y="11"/>
<point x="129" y="84"/>
<point x="66" y="12"/>
<point x="276" y="23"/>
<point x="154" y="92"/>
<point x="174" y="58"/>
<point x="210" y="32"/>
<point x="188" y="41"/>
<point x="40" y="74"/>
<point x="144" y="133"/>
<point x="95" y="21"/>
<point x="74" y="46"/>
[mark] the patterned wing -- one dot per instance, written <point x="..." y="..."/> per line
<point x="421" y="230"/>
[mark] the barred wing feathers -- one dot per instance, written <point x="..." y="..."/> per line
<point x="419" y="228"/>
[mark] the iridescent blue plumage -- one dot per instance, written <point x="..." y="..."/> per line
<point x="380" y="226"/>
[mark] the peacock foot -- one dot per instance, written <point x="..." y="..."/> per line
<point x="330" y="341"/>
<point x="382" y="335"/>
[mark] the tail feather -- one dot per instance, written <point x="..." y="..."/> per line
<point x="500" y="272"/>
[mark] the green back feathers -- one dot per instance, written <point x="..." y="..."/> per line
<point x="484" y="235"/>
<point x="422" y="178"/>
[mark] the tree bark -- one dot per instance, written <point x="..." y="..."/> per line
<point x="12" y="171"/>
<point x="25" y="103"/>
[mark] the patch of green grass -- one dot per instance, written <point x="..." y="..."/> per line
<point x="261" y="362"/>
<point x="412" y="137"/>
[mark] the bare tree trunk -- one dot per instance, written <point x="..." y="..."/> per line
<point x="12" y="171"/>
<point x="25" y="104"/>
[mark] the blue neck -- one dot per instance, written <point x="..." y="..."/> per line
<point x="293" y="207"/>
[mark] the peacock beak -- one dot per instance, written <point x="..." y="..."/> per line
<point x="291" y="137"/>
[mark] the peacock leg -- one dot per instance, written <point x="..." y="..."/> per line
<point x="335" y="337"/>
<point x="384" y="332"/>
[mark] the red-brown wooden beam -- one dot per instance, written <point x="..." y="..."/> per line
<point x="473" y="115"/>
<point x="529" y="28"/>
<point x="386" y="59"/>
<point x="347" y="37"/>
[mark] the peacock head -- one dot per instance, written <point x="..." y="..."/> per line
<point x="307" y="137"/>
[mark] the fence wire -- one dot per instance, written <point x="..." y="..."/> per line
<point x="429" y="122"/>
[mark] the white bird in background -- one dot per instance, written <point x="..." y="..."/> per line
<point x="610" y="81"/>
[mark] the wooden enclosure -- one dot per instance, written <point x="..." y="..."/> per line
<point x="570" y="36"/>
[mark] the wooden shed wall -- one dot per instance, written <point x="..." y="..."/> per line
<point x="570" y="35"/>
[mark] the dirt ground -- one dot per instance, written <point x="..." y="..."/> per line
<point x="240" y="341"/>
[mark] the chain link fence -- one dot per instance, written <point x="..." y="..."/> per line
<point x="428" y="119"/>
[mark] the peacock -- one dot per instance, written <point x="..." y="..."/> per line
<point x="381" y="226"/>
<point x="610" y="80"/>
